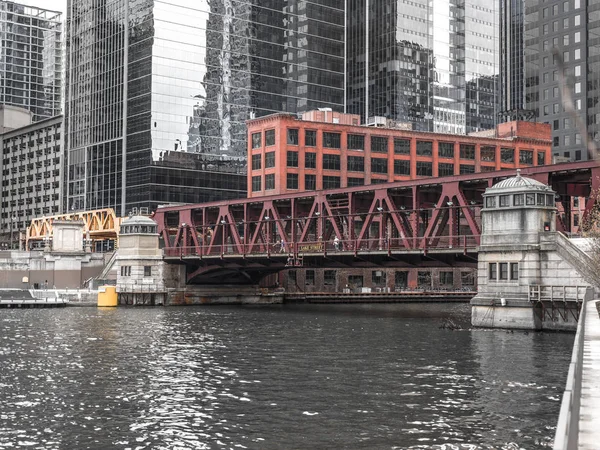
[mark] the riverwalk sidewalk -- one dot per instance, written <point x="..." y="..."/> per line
<point x="589" y="416"/>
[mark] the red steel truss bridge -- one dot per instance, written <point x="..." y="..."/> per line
<point x="429" y="221"/>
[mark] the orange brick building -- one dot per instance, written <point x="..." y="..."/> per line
<point x="326" y="150"/>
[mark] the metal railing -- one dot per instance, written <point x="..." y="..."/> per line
<point x="553" y="293"/>
<point x="567" y="430"/>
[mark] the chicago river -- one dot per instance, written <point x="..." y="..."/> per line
<point x="278" y="377"/>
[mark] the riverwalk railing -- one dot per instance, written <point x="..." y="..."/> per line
<point x="567" y="430"/>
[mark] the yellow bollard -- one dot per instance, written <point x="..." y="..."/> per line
<point x="107" y="296"/>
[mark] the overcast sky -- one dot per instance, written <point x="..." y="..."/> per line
<point x="55" y="5"/>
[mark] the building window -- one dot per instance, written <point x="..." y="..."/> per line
<point x="447" y="278"/>
<point x="329" y="278"/>
<point x="356" y="164"/>
<point x="518" y="199"/>
<point x="292" y="276"/>
<point x="402" y="146"/>
<point x="541" y="158"/>
<point x="514" y="271"/>
<point x="467" y="151"/>
<point x="256" y="140"/>
<point x="310" y="278"/>
<point x="467" y="279"/>
<point x="424" y="169"/>
<point x="292" y="181"/>
<point x="401" y="167"/>
<point x="269" y="160"/>
<point x="292" y="159"/>
<point x="424" y="279"/>
<point x="445" y="169"/>
<point x="331" y="140"/>
<point x="503" y="271"/>
<point x="331" y="182"/>
<point x="465" y="168"/>
<point x="424" y="148"/>
<point x="256" y="162"/>
<point x="504" y="201"/>
<point x="490" y="202"/>
<point x="378" y="277"/>
<point x="310" y="160"/>
<point x="292" y="136"/>
<point x="493" y="271"/>
<point x="356" y="142"/>
<point x="488" y="153"/>
<point x="147" y="271"/>
<point x="526" y="157"/>
<point x="355" y="181"/>
<point x="379" y="165"/>
<point x="530" y="199"/>
<point x="446" y="150"/>
<point x="310" y="182"/>
<point x="401" y="279"/>
<point x="256" y="185"/>
<point x="379" y="144"/>
<point x="507" y="155"/>
<point x="310" y="138"/>
<point x="270" y="181"/>
<point x="125" y="271"/>
<point x="269" y="137"/>
<point x="331" y="162"/>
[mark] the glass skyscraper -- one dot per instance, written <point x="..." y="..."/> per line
<point x="31" y="59"/>
<point x="159" y="92"/>
<point x="433" y="64"/>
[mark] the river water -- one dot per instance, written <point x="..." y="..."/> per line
<point x="274" y="377"/>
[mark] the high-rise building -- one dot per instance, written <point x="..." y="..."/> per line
<point x="158" y="92"/>
<point x="551" y="67"/>
<point x="31" y="59"/>
<point x="430" y="63"/>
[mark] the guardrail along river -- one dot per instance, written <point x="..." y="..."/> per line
<point x="275" y="377"/>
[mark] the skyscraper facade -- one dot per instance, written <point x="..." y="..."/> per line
<point x="31" y="59"/>
<point x="433" y="64"/>
<point x="555" y="70"/>
<point x="159" y="92"/>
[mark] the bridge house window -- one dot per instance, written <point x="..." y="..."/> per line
<point x="504" y="201"/>
<point x="446" y="150"/>
<point x="402" y="146"/>
<point x="331" y="140"/>
<point x="356" y="164"/>
<point x="269" y="160"/>
<point x="256" y="140"/>
<point x="514" y="271"/>
<point x="530" y="199"/>
<point x="269" y="137"/>
<point x="147" y="271"/>
<point x="310" y="160"/>
<point x="379" y="144"/>
<point x="401" y="167"/>
<point x="356" y="142"/>
<point x="292" y="136"/>
<point x="424" y="148"/>
<point x="125" y="271"/>
<point x="493" y="271"/>
<point x="490" y="202"/>
<point x="310" y="138"/>
<point x="331" y="162"/>
<point x="519" y="199"/>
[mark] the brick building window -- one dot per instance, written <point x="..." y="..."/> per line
<point x="424" y="169"/>
<point x="270" y="181"/>
<point x="401" y="279"/>
<point x="379" y="144"/>
<point x="256" y="140"/>
<point x="355" y="181"/>
<point x="356" y="142"/>
<point x="488" y="153"/>
<point x="401" y="167"/>
<point x="467" y="279"/>
<point x="310" y="160"/>
<point x="292" y="136"/>
<point x="292" y="181"/>
<point x="424" y="279"/>
<point x="466" y="168"/>
<point x="310" y="182"/>
<point x="329" y="278"/>
<point x="292" y="159"/>
<point x="379" y="165"/>
<point x="467" y="151"/>
<point x="331" y="140"/>
<point x="331" y="162"/>
<point x="447" y="278"/>
<point x="331" y="182"/>
<point x="269" y="137"/>
<point x="256" y="162"/>
<point x="526" y="157"/>
<point x="507" y="155"/>
<point x="356" y="164"/>
<point x="256" y="183"/>
<point x="292" y="276"/>
<point x="424" y="148"/>
<point x="269" y="160"/>
<point x="310" y="138"/>
<point x="445" y="169"/>
<point x="446" y="150"/>
<point x="402" y="146"/>
<point x="310" y="278"/>
<point x="378" y="277"/>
